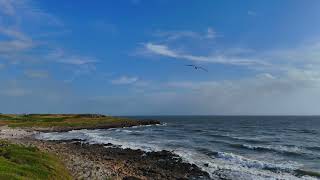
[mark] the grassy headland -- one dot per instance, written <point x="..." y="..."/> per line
<point x="21" y="162"/>
<point x="36" y="160"/>
<point x="65" y="122"/>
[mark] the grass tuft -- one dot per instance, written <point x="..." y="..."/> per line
<point x="21" y="162"/>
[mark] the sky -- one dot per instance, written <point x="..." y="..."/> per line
<point x="129" y="57"/>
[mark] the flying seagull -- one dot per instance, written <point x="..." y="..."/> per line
<point x="197" y="67"/>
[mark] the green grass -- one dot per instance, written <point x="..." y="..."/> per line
<point x="20" y="162"/>
<point x="58" y="120"/>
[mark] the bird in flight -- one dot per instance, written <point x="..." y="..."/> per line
<point x="197" y="67"/>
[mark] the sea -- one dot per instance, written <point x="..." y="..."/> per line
<point x="235" y="147"/>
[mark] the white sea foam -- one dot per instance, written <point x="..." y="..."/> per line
<point x="237" y="167"/>
<point x="249" y="163"/>
<point x="228" y="165"/>
<point x="278" y="148"/>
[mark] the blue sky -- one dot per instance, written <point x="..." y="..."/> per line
<point x="128" y="57"/>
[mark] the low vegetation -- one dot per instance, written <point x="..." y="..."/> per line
<point x="21" y="162"/>
<point x="65" y="121"/>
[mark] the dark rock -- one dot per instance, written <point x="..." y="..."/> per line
<point x="149" y="165"/>
<point x="131" y="178"/>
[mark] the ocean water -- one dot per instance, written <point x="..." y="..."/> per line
<point x="237" y="147"/>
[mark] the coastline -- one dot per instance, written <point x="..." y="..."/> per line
<point x="101" y="161"/>
<point x="90" y="154"/>
<point x="102" y="126"/>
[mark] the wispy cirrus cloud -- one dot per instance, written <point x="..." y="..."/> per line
<point x="276" y="59"/>
<point x="27" y="10"/>
<point x="25" y="31"/>
<point x="163" y="50"/>
<point x="80" y="65"/>
<point x="169" y="45"/>
<point x="15" y="41"/>
<point x="17" y="17"/>
<point x="295" y="92"/>
<point x="211" y="33"/>
<point x="286" y="81"/>
<point x="14" y="34"/>
<point x="174" y="35"/>
<point x="61" y="56"/>
<point x="124" y="80"/>
<point x="305" y="52"/>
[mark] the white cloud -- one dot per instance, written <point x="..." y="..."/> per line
<point x="76" y="60"/>
<point x="211" y="34"/>
<point x="306" y="53"/>
<point x="14" y="46"/>
<point x="293" y="93"/>
<point x="175" y="35"/>
<point x="163" y="50"/>
<point x="17" y="41"/>
<point x="25" y="38"/>
<point x="26" y="10"/>
<point x="61" y="56"/>
<point x="124" y="80"/>
<point x="14" y="33"/>
<point x="182" y="34"/>
<point x="266" y="76"/>
<point x="82" y="65"/>
<point x="296" y="92"/>
<point x="279" y="60"/>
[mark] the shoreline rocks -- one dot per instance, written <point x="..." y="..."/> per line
<point x="97" y="161"/>
<point x="107" y="161"/>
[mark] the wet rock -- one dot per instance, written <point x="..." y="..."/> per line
<point x="131" y="178"/>
<point x="93" y="161"/>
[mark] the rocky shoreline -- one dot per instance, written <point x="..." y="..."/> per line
<point x="93" y="161"/>
<point x="99" y="126"/>
<point x="97" y="161"/>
